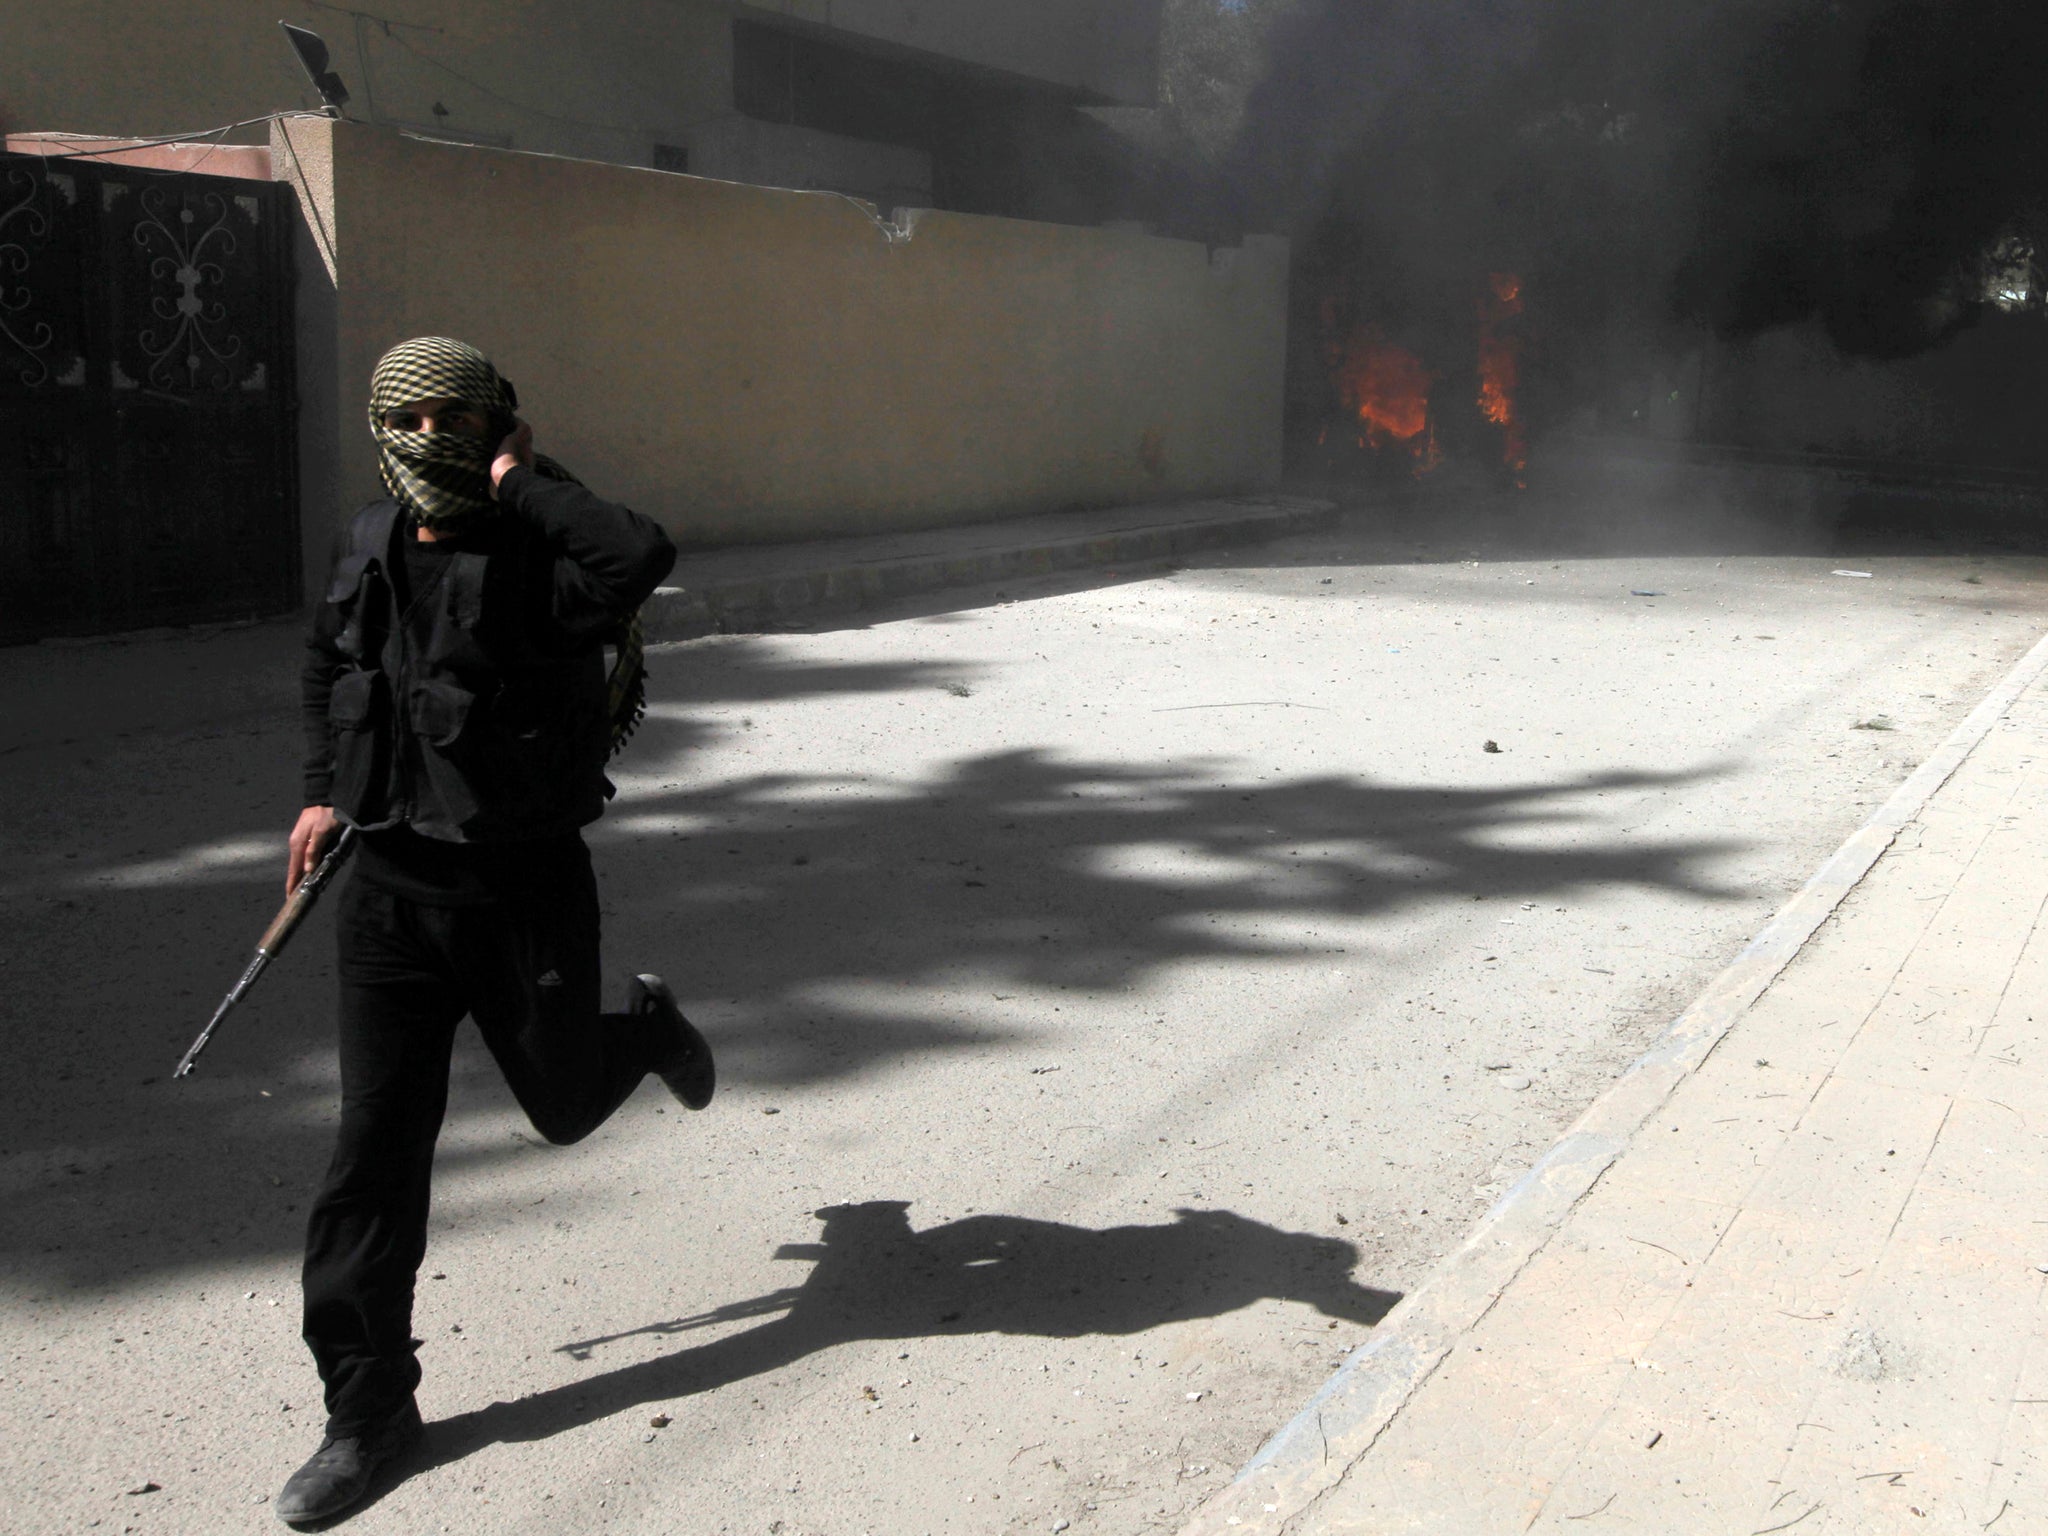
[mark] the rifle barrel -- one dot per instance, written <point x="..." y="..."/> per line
<point x="296" y="906"/>
<point x="184" y="1068"/>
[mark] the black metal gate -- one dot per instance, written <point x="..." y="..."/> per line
<point x="147" y="392"/>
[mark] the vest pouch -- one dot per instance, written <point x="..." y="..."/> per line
<point x="352" y="700"/>
<point x="345" y="595"/>
<point x="440" y="712"/>
<point x="452" y="756"/>
<point x="525" y="751"/>
<point x="357" y="714"/>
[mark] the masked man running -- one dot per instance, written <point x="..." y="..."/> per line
<point x="459" y="715"/>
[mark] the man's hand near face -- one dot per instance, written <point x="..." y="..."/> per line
<point x="514" y="451"/>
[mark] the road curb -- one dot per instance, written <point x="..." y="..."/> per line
<point x="839" y="580"/>
<point x="1315" y="1451"/>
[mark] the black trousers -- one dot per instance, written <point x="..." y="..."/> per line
<point x="525" y="967"/>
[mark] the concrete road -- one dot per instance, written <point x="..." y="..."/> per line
<point x="1123" y="992"/>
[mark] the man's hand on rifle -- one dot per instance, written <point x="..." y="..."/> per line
<point x="312" y="837"/>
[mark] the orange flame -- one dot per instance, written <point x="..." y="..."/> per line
<point x="1500" y="366"/>
<point x="1386" y="388"/>
<point x="1383" y="389"/>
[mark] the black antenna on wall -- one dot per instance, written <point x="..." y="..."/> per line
<point x="312" y="52"/>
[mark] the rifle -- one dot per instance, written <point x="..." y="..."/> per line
<point x="271" y="945"/>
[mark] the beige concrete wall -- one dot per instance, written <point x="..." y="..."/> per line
<point x="565" y="77"/>
<point x="751" y="364"/>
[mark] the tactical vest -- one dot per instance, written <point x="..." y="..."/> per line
<point x="475" y="716"/>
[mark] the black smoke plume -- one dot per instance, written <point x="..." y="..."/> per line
<point x="1660" y="168"/>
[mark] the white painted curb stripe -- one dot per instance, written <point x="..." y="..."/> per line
<point x="1339" y="1424"/>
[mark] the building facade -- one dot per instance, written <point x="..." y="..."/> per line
<point x="974" y="107"/>
<point x="765" y="272"/>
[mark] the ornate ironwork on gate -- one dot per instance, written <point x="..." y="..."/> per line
<point x="147" y="472"/>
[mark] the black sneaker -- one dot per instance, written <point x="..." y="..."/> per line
<point x="339" y="1473"/>
<point x="683" y="1058"/>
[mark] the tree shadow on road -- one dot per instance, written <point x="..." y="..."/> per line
<point x="1025" y="869"/>
<point x="826" y="927"/>
<point x="875" y="1277"/>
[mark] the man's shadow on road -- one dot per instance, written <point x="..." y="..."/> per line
<point x="876" y="1278"/>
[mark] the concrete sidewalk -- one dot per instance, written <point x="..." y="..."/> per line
<point x="1787" y="1274"/>
<point x="755" y="587"/>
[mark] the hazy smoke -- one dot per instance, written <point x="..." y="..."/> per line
<point x="1871" y="156"/>
<point x="1657" y="168"/>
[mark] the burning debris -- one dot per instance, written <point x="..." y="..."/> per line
<point x="1500" y="365"/>
<point x="1386" y="396"/>
<point x="1382" y="390"/>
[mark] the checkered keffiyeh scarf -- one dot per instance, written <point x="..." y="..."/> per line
<point x="444" y="478"/>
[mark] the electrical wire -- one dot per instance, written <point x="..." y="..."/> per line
<point x="41" y="161"/>
<point x="517" y="106"/>
<point x="282" y="119"/>
<point x="363" y="64"/>
<point x="386" y="22"/>
<point x="392" y="27"/>
<point x="122" y="146"/>
<point x="114" y="146"/>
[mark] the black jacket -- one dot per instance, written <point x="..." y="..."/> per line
<point x="480" y="715"/>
